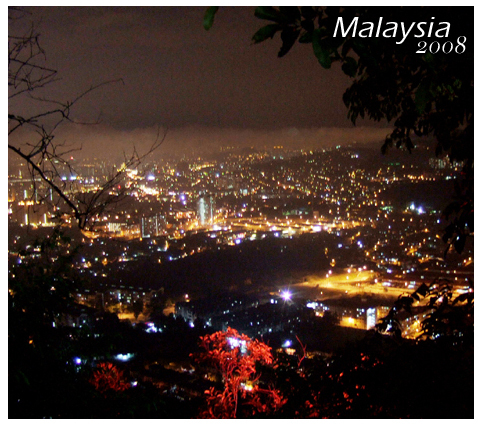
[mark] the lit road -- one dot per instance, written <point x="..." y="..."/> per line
<point x="291" y="226"/>
<point x="350" y="284"/>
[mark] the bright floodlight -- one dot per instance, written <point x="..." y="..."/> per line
<point x="124" y="357"/>
<point x="286" y="344"/>
<point x="286" y="295"/>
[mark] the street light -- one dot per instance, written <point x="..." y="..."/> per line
<point x="286" y="295"/>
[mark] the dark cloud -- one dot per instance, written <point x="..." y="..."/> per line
<point x="177" y="75"/>
<point x="102" y="140"/>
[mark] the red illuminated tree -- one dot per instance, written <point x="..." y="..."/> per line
<point x="108" y="377"/>
<point x="235" y="356"/>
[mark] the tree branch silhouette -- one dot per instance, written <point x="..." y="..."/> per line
<point x="28" y="75"/>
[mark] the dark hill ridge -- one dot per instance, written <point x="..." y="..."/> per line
<point x="252" y="265"/>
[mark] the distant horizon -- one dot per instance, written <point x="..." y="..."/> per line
<point x="100" y="140"/>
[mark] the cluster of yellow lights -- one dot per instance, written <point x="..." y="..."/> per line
<point x="28" y="203"/>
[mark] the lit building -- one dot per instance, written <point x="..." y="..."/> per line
<point x="152" y="226"/>
<point x="360" y="312"/>
<point x="371" y="317"/>
<point x="205" y="210"/>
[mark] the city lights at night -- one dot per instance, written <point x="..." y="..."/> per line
<point x="241" y="212"/>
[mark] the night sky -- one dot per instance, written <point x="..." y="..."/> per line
<point x="208" y="88"/>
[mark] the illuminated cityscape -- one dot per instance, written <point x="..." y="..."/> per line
<point x="286" y="241"/>
<point x="209" y="229"/>
<point x="376" y="244"/>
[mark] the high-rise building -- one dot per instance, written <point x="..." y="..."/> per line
<point x="205" y="210"/>
<point x="371" y="317"/>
